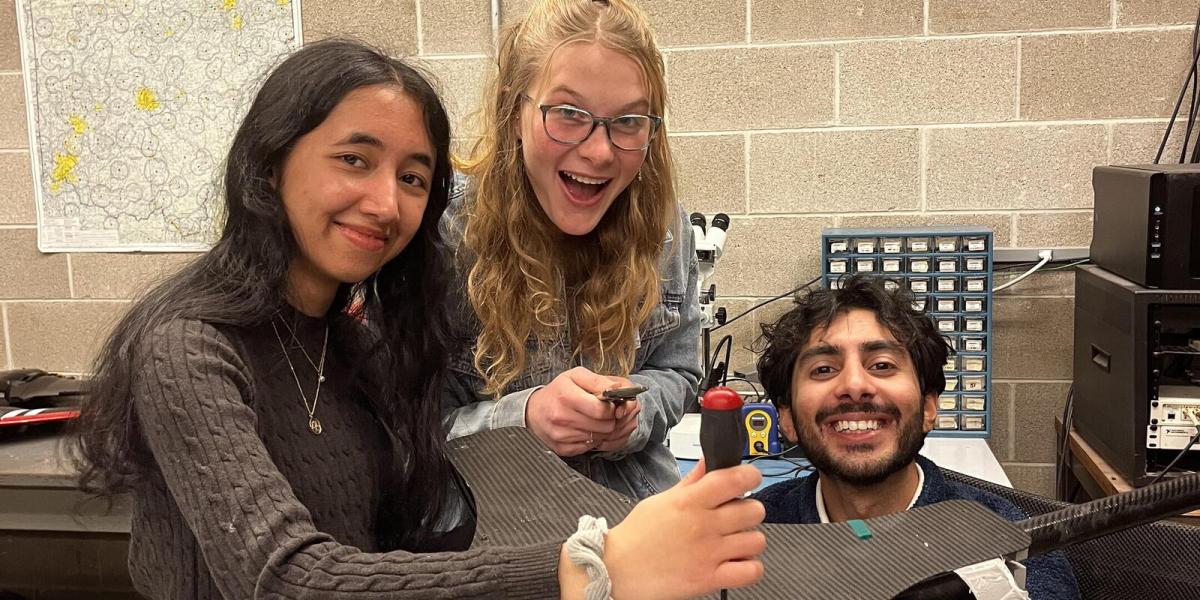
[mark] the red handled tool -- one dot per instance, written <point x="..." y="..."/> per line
<point x="722" y="436"/>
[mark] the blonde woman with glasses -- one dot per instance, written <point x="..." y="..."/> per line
<point x="578" y="272"/>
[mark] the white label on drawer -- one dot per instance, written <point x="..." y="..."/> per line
<point x="892" y="247"/>
<point x="974" y="403"/>
<point x="974" y="324"/>
<point x="973" y="305"/>
<point x="837" y="266"/>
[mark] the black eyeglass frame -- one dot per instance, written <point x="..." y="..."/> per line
<point x="655" y="124"/>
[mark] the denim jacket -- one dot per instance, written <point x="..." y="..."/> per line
<point x="667" y="363"/>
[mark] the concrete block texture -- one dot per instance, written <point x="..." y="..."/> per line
<point x="60" y="335"/>
<point x="1002" y="417"/>
<point x="928" y="81"/>
<point x="16" y="198"/>
<point x="389" y="24"/>
<point x="835" y="171"/>
<point x="1102" y="75"/>
<point x="1054" y="230"/>
<point x="1035" y="405"/>
<point x="711" y="172"/>
<point x="750" y="88"/>
<point x="1132" y="13"/>
<point x="690" y="23"/>
<point x="1137" y="143"/>
<point x="14" y="129"/>
<point x="1011" y="167"/>
<point x="456" y="26"/>
<point x="833" y="19"/>
<point x="10" y="46"/>
<point x="27" y="273"/>
<point x="976" y="16"/>
<point x="1033" y="338"/>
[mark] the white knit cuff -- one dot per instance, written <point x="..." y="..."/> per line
<point x="585" y="548"/>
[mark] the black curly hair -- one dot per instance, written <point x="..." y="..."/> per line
<point x="782" y="341"/>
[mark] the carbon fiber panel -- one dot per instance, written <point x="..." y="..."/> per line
<point x="525" y="494"/>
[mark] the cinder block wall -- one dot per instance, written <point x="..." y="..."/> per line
<point x="791" y="117"/>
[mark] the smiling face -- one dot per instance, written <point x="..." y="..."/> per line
<point x="857" y="408"/>
<point x="576" y="184"/>
<point x="355" y="189"/>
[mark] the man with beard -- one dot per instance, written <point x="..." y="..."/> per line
<point x="855" y="374"/>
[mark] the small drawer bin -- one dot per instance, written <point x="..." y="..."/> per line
<point x="946" y="243"/>
<point x="974" y="383"/>
<point x="975" y="402"/>
<point x="865" y="245"/>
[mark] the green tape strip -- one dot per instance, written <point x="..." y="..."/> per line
<point x="860" y="529"/>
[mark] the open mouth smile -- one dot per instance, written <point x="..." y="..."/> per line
<point x="581" y="189"/>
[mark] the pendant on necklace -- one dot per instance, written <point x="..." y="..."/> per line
<point x="314" y="426"/>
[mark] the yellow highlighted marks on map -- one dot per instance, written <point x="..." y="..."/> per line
<point x="64" y="170"/>
<point x="66" y="160"/>
<point x="78" y="124"/>
<point x="147" y="100"/>
<point x="236" y="21"/>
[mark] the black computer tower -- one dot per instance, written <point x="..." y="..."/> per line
<point x="1146" y="225"/>
<point x="1136" y="362"/>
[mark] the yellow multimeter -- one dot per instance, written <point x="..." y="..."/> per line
<point x="761" y="422"/>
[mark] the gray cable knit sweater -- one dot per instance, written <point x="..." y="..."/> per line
<point x="247" y="503"/>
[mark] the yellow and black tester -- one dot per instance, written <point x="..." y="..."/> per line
<point x="761" y="421"/>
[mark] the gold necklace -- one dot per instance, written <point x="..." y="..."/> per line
<point x="296" y="340"/>
<point x="314" y="425"/>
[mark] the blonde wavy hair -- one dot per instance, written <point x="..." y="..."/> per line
<point x="518" y="288"/>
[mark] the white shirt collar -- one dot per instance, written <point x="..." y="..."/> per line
<point x="821" y="497"/>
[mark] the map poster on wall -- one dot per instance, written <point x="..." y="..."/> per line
<point x="132" y="105"/>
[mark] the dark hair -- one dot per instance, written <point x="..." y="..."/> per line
<point x="242" y="281"/>
<point x="782" y="341"/>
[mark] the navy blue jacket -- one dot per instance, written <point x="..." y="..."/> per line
<point x="1047" y="577"/>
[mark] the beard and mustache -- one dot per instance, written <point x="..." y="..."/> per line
<point x="861" y="473"/>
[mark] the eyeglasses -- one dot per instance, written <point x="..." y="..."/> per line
<point x="567" y="124"/>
